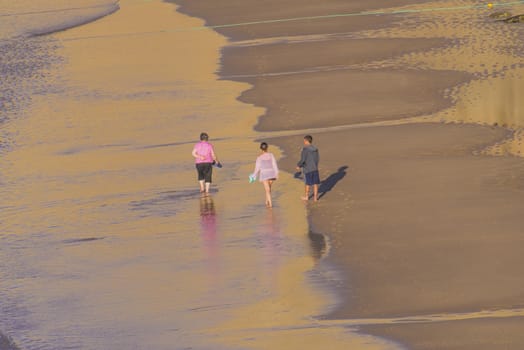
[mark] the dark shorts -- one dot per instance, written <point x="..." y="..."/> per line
<point x="205" y="171"/>
<point x="312" y="178"/>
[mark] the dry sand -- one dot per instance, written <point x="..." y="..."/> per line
<point x="420" y="220"/>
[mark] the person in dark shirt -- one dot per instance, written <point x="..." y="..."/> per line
<point x="309" y="164"/>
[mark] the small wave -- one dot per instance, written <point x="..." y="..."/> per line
<point x="15" y="14"/>
<point x="82" y="240"/>
<point x="100" y="12"/>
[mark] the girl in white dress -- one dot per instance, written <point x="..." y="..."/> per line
<point x="266" y="170"/>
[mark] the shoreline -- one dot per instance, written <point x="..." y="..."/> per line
<point x="384" y="276"/>
<point x="105" y="10"/>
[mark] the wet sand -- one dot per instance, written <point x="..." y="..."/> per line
<point x="402" y="94"/>
<point x="328" y="73"/>
<point x="424" y="220"/>
<point x="421" y="219"/>
<point x="481" y="334"/>
<point x="232" y="11"/>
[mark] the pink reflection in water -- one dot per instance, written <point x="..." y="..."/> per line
<point x="269" y="237"/>
<point x="208" y="229"/>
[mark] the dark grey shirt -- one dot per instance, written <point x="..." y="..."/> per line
<point x="309" y="159"/>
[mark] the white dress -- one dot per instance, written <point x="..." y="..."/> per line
<point x="266" y="167"/>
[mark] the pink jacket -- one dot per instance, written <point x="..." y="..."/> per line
<point x="204" y="149"/>
<point x="266" y="167"/>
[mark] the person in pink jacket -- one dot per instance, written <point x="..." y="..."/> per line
<point x="205" y="157"/>
<point x="266" y="170"/>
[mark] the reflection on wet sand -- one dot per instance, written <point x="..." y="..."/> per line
<point x="271" y="243"/>
<point x="283" y="315"/>
<point x="208" y="226"/>
<point x="318" y="245"/>
<point x="269" y="232"/>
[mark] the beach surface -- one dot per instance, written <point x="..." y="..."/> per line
<point x="106" y="242"/>
<point x="418" y="122"/>
<point x="414" y="244"/>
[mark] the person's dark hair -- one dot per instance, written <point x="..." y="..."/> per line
<point x="204" y="136"/>
<point x="309" y="138"/>
<point x="263" y="146"/>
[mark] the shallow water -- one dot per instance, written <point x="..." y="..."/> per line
<point x="105" y="241"/>
<point x="26" y="58"/>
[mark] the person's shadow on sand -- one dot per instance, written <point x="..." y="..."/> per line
<point x="330" y="182"/>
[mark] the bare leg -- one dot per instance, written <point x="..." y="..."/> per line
<point x="306" y="193"/>
<point x="267" y="188"/>
<point x="270" y="187"/>
<point x="201" y="183"/>
<point x="315" y="192"/>
<point x="208" y="184"/>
